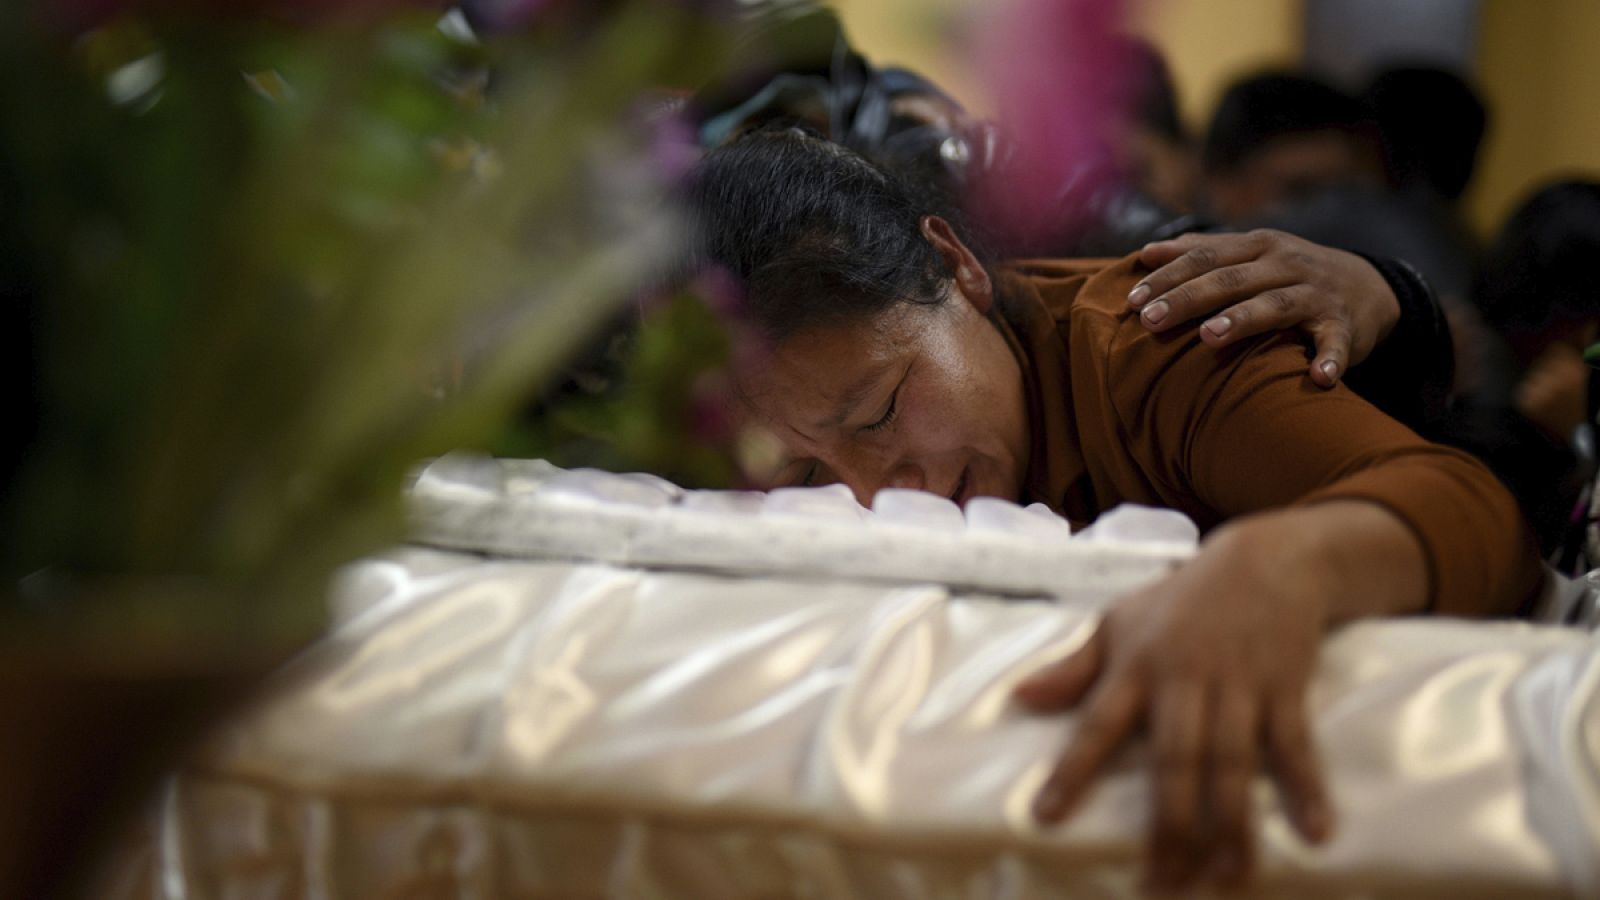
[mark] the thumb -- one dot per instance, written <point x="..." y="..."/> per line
<point x="1062" y="684"/>
<point x="1333" y="354"/>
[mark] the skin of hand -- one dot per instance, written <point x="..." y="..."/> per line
<point x="1555" y="391"/>
<point x="1265" y="280"/>
<point x="1214" y="663"/>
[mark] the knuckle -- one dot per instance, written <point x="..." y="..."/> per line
<point x="1335" y="327"/>
<point x="1158" y="280"/>
<point x="1302" y="260"/>
<point x="1182" y="295"/>
<point x="1279" y="301"/>
<point x="1203" y="258"/>
<point x="1230" y="278"/>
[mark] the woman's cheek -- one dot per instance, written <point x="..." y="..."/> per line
<point x="934" y="416"/>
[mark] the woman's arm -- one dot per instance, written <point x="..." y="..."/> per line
<point x="1334" y="511"/>
<point x="1238" y="430"/>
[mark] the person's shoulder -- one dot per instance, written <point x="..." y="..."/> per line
<point x="1048" y="269"/>
<point x="1138" y="369"/>
<point x="1074" y="287"/>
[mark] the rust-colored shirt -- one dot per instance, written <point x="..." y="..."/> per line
<point x="1119" y="414"/>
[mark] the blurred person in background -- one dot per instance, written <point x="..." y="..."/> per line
<point x="1290" y="152"/>
<point x="1540" y="293"/>
<point x="1431" y="123"/>
<point x="1280" y="143"/>
<point x="1532" y="418"/>
<point x="1276" y="140"/>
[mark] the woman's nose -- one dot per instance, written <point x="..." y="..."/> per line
<point x="906" y="475"/>
<point x="866" y="477"/>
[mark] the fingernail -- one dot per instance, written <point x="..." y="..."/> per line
<point x="1155" y="312"/>
<point x="1219" y="326"/>
<point x="1330" y="369"/>
<point x="1139" y="294"/>
<point x="1049" y="804"/>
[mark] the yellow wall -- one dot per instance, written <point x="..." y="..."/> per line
<point x="922" y="35"/>
<point x="1539" y="69"/>
<point x="1207" y="42"/>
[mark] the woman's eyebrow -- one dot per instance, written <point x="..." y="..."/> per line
<point x="856" y="393"/>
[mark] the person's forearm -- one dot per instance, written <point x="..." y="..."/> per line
<point x="1374" y="557"/>
<point x="1357" y="556"/>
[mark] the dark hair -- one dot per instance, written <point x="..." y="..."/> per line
<point x="814" y="233"/>
<point x="1271" y="105"/>
<point x="1432" y="124"/>
<point x="1541" y="270"/>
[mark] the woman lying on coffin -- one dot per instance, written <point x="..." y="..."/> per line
<point x="898" y="358"/>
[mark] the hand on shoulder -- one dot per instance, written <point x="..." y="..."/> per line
<point x="1243" y="285"/>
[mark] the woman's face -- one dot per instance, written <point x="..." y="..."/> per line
<point x="922" y="397"/>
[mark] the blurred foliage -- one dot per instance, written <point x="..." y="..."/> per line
<point x="657" y="399"/>
<point x="255" y="268"/>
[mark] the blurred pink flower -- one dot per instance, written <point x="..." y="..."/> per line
<point x="713" y="416"/>
<point x="1060" y="86"/>
<point x="748" y="349"/>
<point x="673" y="148"/>
<point x="720" y="291"/>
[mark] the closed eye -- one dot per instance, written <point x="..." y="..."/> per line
<point x="887" y="418"/>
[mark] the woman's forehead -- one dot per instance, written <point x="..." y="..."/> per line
<point x="819" y="368"/>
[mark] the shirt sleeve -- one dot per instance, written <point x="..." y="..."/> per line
<point x="1409" y="374"/>
<point x="1244" y="429"/>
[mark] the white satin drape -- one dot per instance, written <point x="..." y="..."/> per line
<point x="482" y="727"/>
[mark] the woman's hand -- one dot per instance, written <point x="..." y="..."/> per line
<point x="1265" y="281"/>
<point x="1214" y="661"/>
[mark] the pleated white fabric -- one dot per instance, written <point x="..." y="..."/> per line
<point x="486" y="726"/>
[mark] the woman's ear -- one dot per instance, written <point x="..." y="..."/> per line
<point x="971" y="277"/>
